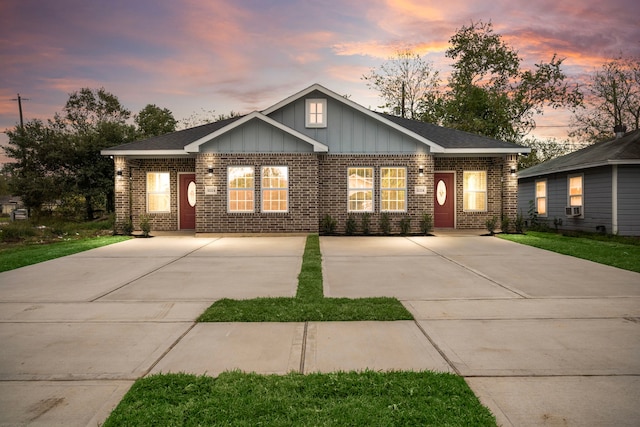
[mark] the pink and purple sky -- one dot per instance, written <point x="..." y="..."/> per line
<point x="245" y="55"/>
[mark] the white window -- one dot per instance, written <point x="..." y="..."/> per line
<point x="158" y="192"/>
<point x="575" y="190"/>
<point x="541" y="197"/>
<point x="360" y="182"/>
<point x="316" y="113"/>
<point x="393" y="189"/>
<point x="474" y="191"/>
<point x="275" y="188"/>
<point x="240" y="188"/>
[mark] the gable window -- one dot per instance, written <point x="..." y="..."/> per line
<point x="575" y="190"/>
<point x="541" y="197"/>
<point x="316" y="113"/>
<point x="275" y="188"/>
<point x="240" y="187"/>
<point x="393" y="189"/>
<point x="158" y="192"/>
<point x="474" y="185"/>
<point x="360" y="183"/>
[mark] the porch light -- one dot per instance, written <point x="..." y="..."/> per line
<point x="421" y="170"/>
<point x="210" y="170"/>
<point x="513" y="172"/>
<point x="119" y="173"/>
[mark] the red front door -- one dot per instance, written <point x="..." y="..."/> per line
<point x="187" y="197"/>
<point x="444" y="200"/>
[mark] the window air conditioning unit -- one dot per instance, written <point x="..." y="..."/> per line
<point x="573" y="210"/>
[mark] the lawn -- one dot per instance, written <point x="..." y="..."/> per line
<point x="614" y="251"/>
<point x="309" y="303"/>
<point x="334" y="399"/>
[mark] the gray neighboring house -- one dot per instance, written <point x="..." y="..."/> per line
<point x="595" y="189"/>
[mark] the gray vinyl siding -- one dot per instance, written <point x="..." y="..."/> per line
<point x="629" y="200"/>
<point x="256" y="136"/>
<point x="348" y="130"/>
<point x="526" y="194"/>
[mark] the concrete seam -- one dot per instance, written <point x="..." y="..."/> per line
<point x="303" y="353"/>
<point x="438" y="349"/>
<point x="171" y="347"/>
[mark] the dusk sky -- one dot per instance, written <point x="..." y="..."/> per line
<point x="243" y="55"/>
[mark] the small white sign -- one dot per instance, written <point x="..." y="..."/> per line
<point x="210" y="190"/>
<point x="420" y="189"/>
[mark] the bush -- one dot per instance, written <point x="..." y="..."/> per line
<point x="385" y="223"/>
<point x="328" y="224"/>
<point x="17" y="231"/>
<point x="405" y="225"/>
<point x="505" y="224"/>
<point x="519" y="223"/>
<point x="351" y="226"/>
<point x="426" y="223"/>
<point x="145" y="225"/>
<point x="491" y="225"/>
<point x="127" y="228"/>
<point x="366" y="223"/>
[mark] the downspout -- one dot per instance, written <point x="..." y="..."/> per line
<point x="614" y="199"/>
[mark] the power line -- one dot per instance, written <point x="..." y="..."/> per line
<point x="20" y="99"/>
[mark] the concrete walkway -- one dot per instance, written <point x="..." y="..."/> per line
<point x="543" y="339"/>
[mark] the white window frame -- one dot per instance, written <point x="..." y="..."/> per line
<point x="163" y="192"/>
<point x="230" y="189"/>
<point x="581" y="195"/>
<point x="314" y="118"/>
<point x="396" y="189"/>
<point x="266" y="189"/>
<point x="357" y="189"/>
<point x="539" y="197"/>
<point x="467" y="192"/>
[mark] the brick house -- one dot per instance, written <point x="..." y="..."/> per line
<point x="312" y="154"/>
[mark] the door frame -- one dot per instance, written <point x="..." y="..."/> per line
<point x="179" y="200"/>
<point x="455" y="196"/>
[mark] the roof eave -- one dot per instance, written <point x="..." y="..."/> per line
<point x="525" y="174"/>
<point x="154" y="153"/>
<point x="492" y="151"/>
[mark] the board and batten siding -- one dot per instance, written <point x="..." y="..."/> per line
<point x="629" y="200"/>
<point x="348" y="130"/>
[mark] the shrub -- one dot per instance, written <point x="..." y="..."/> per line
<point x="426" y="223"/>
<point x="145" y="225"/>
<point x="127" y="228"/>
<point x="385" y="223"/>
<point x="366" y="223"/>
<point x="519" y="223"/>
<point x="505" y="224"/>
<point x="351" y="226"/>
<point x="557" y="222"/>
<point x="405" y="225"/>
<point x="491" y="225"/>
<point x="16" y="231"/>
<point x="328" y="224"/>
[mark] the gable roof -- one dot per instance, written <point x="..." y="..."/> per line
<point x="440" y="140"/>
<point x="625" y="150"/>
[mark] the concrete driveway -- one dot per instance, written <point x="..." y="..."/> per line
<point x="543" y="339"/>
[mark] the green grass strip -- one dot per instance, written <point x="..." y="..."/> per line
<point x="21" y="256"/>
<point x="309" y="304"/>
<point x="609" y="252"/>
<point x="336" y="399"/>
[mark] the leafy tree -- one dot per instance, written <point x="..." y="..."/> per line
<point x="614" y="101"/>
<point x="541" y="151"/>
<point x="204" y="117"/>
<point x="153" y="121"/>
<point x="489" y="94"/>
<point x="407" y="84"/>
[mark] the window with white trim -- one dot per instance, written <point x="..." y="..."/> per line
<point x="158" y="192"/>
<point x="393" y="189"/>
<point x="316" y="113"/>
<point x="575" y="190"/>
<point x="474" y="185"/>
<point x="360" y="189"/>
<point x="541" y="197"/>
<point x="275" y="188"/>
<point x="240" y="189"/>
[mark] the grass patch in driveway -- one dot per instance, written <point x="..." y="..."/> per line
<point x="620" y="253"/>
<point x="336" y="399"/>
<point x="309" y="304"/>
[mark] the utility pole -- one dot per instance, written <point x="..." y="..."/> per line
<point x="19" y="99"/>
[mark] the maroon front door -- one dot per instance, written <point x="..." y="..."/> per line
<point x="443" y="204"/>
<point x="187" y="197"/>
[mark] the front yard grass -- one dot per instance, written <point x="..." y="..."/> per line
<point x="616" y="252"/>
<point x="335" y="399"/>
<point x="309" y="303"/>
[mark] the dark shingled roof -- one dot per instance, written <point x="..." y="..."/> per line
<point x="620" y="151"/>
<point x="447" y="137"/>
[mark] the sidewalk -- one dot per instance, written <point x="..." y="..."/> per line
<point x="543" y="339"/>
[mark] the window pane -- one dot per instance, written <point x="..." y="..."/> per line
<point x="275" y="185"/>
<point x="158" y="192"/>
<point x="360" y="183"/>
<point x="240" y="188"/>
<point x="474" y="190"/>
<point x="361" y="201"/>
<point x="542" y="206"/>
<point x="393" y="183"/>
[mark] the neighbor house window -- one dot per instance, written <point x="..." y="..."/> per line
<point x="541" y="197"/>
<point x="158" y="192"/>
<point x="240" y="185"/>
<point x="360" y="182"/>
<point x="393" y="189"/>
<point x="275" y="189"/>
<point x="474" y="191"/>
<point x="316" y="113"/>
<point x="575" y="190"/>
